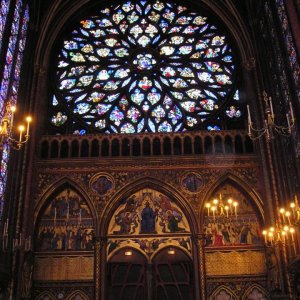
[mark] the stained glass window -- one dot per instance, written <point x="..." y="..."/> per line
<point x="289" y="42"/>
<point x="144" y="67"/>
<point x="4" y="7"/>
<point x="11" y="78"/>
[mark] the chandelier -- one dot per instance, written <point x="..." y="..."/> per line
<point x="270" y="127"/>
<point x="219" y="207"/>
<point x="6" y="130"/>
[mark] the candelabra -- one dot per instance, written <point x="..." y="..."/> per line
<point x="270" y="127"/>
<point x="6" y="130"/>
<point x="284" y="231"/>
<point x="221" y="208"/>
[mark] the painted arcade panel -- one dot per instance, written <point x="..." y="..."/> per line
<point x="148" y="212"/>
<point x="66" y="224"/>
<point x="229" y="225"/>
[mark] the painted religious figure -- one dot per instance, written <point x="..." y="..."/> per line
<point x="192" y="183"/>
<point x="148" y="219"/>
<point x="66" y="224"/>
<point x="102" y="185"/>
<point x="148" y="212"/>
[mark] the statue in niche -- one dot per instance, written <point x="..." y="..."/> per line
<point x="148" y="219"/>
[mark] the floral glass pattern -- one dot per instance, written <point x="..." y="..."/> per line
<point x="144" y="67"/>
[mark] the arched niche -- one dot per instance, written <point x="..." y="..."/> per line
<point x="223" y="293"/>
<point x="148" y="220"/>
<point x="239" y="226"/>
<point x="45" y="296"/>
<point x="77" y="295"/>
<point x="65" y="223"/>
<point x="231" y="226"/>
<point x="255" y="292"/>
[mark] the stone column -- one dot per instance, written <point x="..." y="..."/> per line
<point x="200" y="265"/>
<point x="100" y="267"/>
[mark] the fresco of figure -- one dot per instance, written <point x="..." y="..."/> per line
<point x="126" y="218"/>
<point x="148" y="219"/>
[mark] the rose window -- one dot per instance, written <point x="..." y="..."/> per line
<point x="143" y="67"/>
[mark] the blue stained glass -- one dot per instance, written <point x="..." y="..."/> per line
<point x="11" y="77"/>
<point x="172" y="54"/>
<point x="4" y="8"/>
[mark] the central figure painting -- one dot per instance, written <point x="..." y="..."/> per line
<point x="148" y="212"/>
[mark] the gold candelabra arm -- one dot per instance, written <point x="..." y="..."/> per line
<point x="269" y="123"/>
<point x="6" y="130"/>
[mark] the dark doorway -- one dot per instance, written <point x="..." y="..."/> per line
<point x="168" y="277"/>
<point x="172" y="275"/>
<point x="127" y="276"/>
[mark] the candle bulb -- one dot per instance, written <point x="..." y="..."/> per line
<point x="208" y="208"/>
<point x="12" y="109"/>
<point x="264" y="232"/>
<point x="235" y="204"/>
<point x="271" y="106"/>
<point x="230" y="205"/>
<point x="28" y="120"/>
<point x="21" y="129"/>
<point x="282" y="211"/>
<point x="288" y="121"/>
<point x="291" y="111"/>
<point x="249" y="115"/>
<point x="213" y="209"/>
<point x="227" y="209"/>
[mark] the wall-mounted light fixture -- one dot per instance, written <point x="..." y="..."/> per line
<point x="219" y="207"/>
<point x="7" y="133"/>
<point x="171" y="251"/>
<point x="128" y="253"/>
<point x="270" y="127"/>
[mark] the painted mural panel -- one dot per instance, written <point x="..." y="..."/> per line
<point x="148" y="212"/>
<point x="232" y="226"/>
<point x="66" y="224"/>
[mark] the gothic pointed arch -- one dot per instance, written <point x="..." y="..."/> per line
<point x="145" y="183"/>
<point x="148" y="215"/>
<point x="255" y="292"/>
<point x="240" y="184"/>
<point x="223" y="293"/>
<point x="63" y="238"/>
<point x="58" y="186"/>
<point x="231" y="217"/>
<point x="64" y="215"/>
<point x="77" y="295"/>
